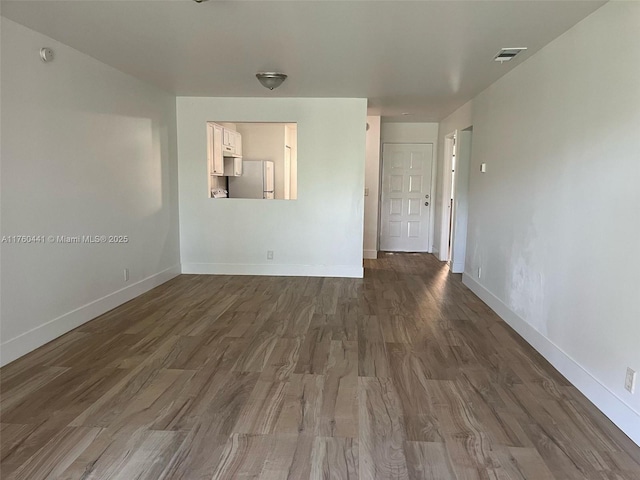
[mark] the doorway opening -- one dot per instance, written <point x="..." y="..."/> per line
<point x="455" y="198"/>
<point x="451" y="204"/>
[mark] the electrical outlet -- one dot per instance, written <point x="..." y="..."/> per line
<point x="630" y="380"/>
<point x="126" y="274"/>
<point x="479" y="272"/>
<point x="269" y="254"/>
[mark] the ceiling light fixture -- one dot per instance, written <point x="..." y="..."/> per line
<point x="199" y="1"/>
<point x="271" y="80"/>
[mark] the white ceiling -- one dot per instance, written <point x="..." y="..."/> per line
<point x="423" y="57"/>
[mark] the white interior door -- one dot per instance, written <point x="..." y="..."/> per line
<point x="406" y="197"/>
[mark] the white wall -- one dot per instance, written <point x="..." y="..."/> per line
<point x="555" y="221"/>
<point x="86" y="150"/>
<point x="410" y="132"/>
<point x="265" y="141"/>
<point x="372" y="182"/>
<point x="458" y="120"/>
<point x="321" y="233"/>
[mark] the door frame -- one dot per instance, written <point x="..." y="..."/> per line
<point x="461" y="200"/>
<point x="287" y="172"/>
<point x="445" y="197"/>
<point x="430" y="238"/>
<point x="458" y="221"/>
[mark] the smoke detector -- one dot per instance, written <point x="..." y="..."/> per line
<point x="46" y="54"/>
<point x="506" y="54"/>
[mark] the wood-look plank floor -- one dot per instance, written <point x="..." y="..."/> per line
<point x="402" y="375"/>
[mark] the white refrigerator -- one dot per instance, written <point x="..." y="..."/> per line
<point x="257" y="180"/>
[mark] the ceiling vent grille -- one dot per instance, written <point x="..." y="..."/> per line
<point x="506" y="54"/>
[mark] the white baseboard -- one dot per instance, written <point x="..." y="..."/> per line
<point x="370" y="254"/>
<point x="36" y="337"/>
<point x="623" y="415"/>
<point x="347" y="271"/>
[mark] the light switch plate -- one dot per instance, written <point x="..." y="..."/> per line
<point x="630" y="380"/>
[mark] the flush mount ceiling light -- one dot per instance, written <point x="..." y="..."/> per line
<point x="271" y="80"/>
<point x="506" y="54"/>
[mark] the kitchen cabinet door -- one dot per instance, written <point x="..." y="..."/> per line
<point x="228" y="140"/>
<point x="231" y="143"/>
<point x="214" y="149"/>
<point x="238" y="145"/>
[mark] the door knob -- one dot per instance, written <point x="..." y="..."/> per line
<point x="426" y="196"/>
<point x="426" y="204"/>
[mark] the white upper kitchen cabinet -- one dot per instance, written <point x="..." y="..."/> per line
<point x="215" y="156"/>
<point x="231" y="143"/>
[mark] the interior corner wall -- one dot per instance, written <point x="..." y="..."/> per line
<point x="416" y="132"/>
<point x="372" y="183"/>
<point x="554" y="223"/>
<point x="86" y="151"/>
<point x="319" y="234"/>
<point x="458" y="120"/>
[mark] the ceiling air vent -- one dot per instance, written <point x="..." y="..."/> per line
<point x="506" y="54"/>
